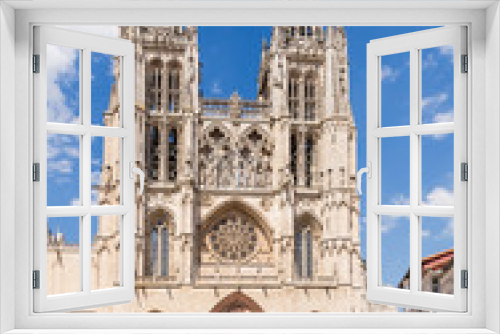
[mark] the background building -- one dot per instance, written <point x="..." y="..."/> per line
<point x="437" y="273"/>
<point x="249" y="206"/>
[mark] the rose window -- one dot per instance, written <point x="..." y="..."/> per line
<point x="233" y="238"/>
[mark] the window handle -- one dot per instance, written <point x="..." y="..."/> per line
<point x="134" y="170"/>
<point x="359" y="174"/>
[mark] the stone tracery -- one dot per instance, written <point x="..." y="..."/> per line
<point x="225" y="163"/>
<point x="233" y="237"/>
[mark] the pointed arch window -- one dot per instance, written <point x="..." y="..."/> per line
<point x="309" y="99"/>
<point x="153" y="153"/>
<point x="293" y="158"/>
<point x="153" y="89"/>
<point x="303" y="246"/>
<point x="172" y="154"/>
<point x="173" y="89"/>
<point x="293" y="97"/>
<point x="158" y="255"/>
<point x="309" y="148"/>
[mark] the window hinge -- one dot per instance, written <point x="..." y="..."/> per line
<point x="465" y="64"/>
<point x="36" y="172"/>
<point x="464" y="172"/>
<point x="36" y="63"/>
<point x="36" y="279"/>
<point x="465" y="279"/>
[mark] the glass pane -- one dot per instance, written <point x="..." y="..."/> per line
<point x="437" y="84"/>
<point x="437" y="254"/>
<point x="63" y="255"/>
<point x="63" y="84"/>
<point x="395" y="89"/>
<point x="437" y="169"/>
<point x="395" y="171"/>
<point x="395" y="243"/>
<point x="63" y="170"/>
<point x="105" y="90"/>
<point x="106" y="171"/>
<point x="106" y="251"/>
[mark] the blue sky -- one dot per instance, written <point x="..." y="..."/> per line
<point x="230" y="62"/>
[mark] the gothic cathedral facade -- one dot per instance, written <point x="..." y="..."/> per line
<point x="249" y="205"/>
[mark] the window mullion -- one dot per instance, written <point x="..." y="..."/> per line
<point x="85" y="158"/>
<point x="103" y="210"/>
<point x="80" y="130"/>
<point x="414" y="173"/>
<point x="85" y="253"/>
<point x="85" y="167"/>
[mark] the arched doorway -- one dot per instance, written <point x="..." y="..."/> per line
<point x="236" y="302"/>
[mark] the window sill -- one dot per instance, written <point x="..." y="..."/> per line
<point x="252" y="331"/>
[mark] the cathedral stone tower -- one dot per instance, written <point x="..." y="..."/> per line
<point x="304" y="74"/>
<point x="167" y="108"/>
<point x="249" y="205"/>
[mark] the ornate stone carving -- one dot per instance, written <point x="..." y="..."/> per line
<point x="241" y="162"/>
<point x="233" y="238"/>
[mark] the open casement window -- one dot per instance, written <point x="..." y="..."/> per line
<point x="69" y="140"/>
<point x="433" y="280"/>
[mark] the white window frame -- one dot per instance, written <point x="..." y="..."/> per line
<point x="484" y="49"/>
<point x="84" y="44"/>
<point x="413" y="43"/>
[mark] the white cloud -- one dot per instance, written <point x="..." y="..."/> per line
<point x="96" y="162"/>
<point x="446" y="50"/>
<point x="216" y="89"/>
<point x="62" y="156"/>
<point x="388" y="73"/>
<point x="96" y="177"/>
<point x="75" y="201"/>
<point x="443" y="117"/>
<point x="94" y="196"/>
<point x="430" y="105"/>
<point x="58" y="145"/>
<point x="400" y="200"/>
<point x="53" y="150"/>
<point x="429" y="61"/>
<point x="439" y="196"/>
<point x="448" y="230"/>
<point x="60" y="166"/>
<point x="60" y="71"/>
<point x="390" y="222"/>
<point x="432" y="102"/>
<point x="72" y="151"/>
